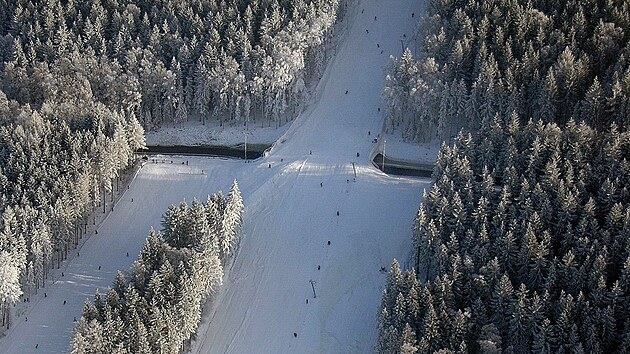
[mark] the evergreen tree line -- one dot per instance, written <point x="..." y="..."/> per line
<point x="224" y="60"/>
<point x="549" y="60"/>
<point x="521" y="246"/>
<point x="156" y="306"/>
<point x="52" y="179"/>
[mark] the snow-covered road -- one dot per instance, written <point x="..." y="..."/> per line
<point x="291" y="214"/>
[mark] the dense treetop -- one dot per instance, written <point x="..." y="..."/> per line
<point x="545" y="60"/>
<point x="168" y="60"/>
<point x="156" y="305"/>
<point x="522" y="244"/>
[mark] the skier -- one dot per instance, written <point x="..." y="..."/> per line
<point x="346" y="92"/>
<point x="96" y="232"/>
<point x="374" y="18"/>
<point x="321" y="184"/>
<point x="413" y="14"/>
<point x="328" y="243"/>
<point x="45" y="295"/>
<point x="294" y="334"/>
<point x="369" y="133"/>
<point x="64" y="302"/>
<point x="378" y="45"/>
<point x="366" y="31"/>
<point x="99" y="267"/>
<point x="319" y="267"/>
<point x="75" y="319"/>
<point x="357" y="154"/>
<point x="36" y="345"/>
<point x="127" y="254"/>
<point x="307" y="301"/>
<point x="77" y="254"/>
<point x="62" y="274"/>
<point x="269" y="165"/>
<point x="132" y="200"/>
<point x="337" y="212"/>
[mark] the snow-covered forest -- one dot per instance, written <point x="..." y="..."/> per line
<point x="156" y="306"/>
<point x="544" y="60"/>
<point x="223" y="60"/>
<point x="81" y="80"/>
<point x="521" y="245"/>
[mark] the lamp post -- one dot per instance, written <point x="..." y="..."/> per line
<point x="384" y="141"/>
<point x="245" y="133"/>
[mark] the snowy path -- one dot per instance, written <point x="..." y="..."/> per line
<point x="288" y="222"/>
<point x="290" y="218"/>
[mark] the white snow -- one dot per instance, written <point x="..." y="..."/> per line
<point x="194" y="132"/>
<point x="289" y="218"/>
<point x="397" y="148"/>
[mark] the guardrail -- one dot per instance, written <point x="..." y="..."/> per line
<point x="254" y="151"/>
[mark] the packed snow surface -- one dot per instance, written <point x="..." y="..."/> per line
<point x="302" y="195"/>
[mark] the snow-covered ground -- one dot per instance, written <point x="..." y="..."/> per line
<point x="290" y="217"/>
<point x="397" y="148"/>
<point x="292" y="197"/>
<point x="212" y="133"/>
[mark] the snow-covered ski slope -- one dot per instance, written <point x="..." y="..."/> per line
<point x="289" y="219"/>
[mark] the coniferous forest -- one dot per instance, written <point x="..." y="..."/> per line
<point x="80" y="81"/>
<point x="521" y="245"/>
<point x="156" y="306"/>
<point x="545" y="60"/>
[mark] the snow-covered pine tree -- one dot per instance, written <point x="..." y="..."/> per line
<point x="232" y="220"/>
